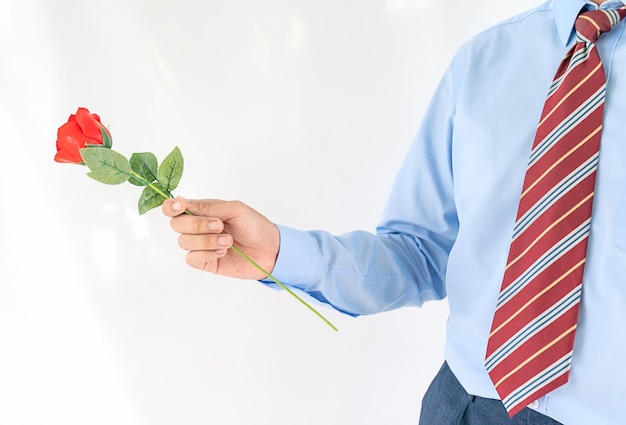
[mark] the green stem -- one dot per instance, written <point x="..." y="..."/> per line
<point x="279" y="283"/>
<point x="248" y="259"/>
<point x="152" y="186"/>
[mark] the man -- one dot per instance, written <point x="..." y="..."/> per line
<point x="449" y="223"/>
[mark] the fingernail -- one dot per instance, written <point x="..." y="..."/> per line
<point x="215" y="225"/>
<point x="223" y="240"/>
<point x="220" y="252"/>
<point x="176" y="206"/>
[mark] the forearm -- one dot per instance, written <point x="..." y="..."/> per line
<point x="359" y="272"/>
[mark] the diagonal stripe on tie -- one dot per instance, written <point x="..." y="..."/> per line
<point x="530" y="347"/>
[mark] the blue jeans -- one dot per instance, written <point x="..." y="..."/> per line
<point x="447" y="403"/>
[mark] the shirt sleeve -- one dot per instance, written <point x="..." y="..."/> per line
<point x="404" y="263"/>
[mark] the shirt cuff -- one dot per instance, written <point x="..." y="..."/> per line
<point x="299" y="262"/>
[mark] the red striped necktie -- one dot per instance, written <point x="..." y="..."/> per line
<point x="532" y="337"/>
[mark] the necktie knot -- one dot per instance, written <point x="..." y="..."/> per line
<point x="590" y="25"/>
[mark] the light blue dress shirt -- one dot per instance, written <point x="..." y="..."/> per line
<point x="448" y="223"/>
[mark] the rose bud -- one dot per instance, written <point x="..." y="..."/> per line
<point x="81" y="130"/>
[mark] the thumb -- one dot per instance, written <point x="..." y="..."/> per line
<point x="215" y="208"/>
<point x="175" y="206"/>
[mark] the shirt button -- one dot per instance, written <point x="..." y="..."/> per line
<point x="534" y="404"/>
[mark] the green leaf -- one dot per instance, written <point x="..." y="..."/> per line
<point x="149" y="199"/>
<point x="105" y="165"/>
<point x="171" y="170"/>
<point x="146" y="165"/>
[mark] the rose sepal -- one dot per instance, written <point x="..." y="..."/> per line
<point x="107" y="140"/>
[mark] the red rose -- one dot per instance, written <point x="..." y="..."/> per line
<point x="80" y="131"/>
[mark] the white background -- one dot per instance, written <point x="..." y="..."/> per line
<point x="303" y="109"/>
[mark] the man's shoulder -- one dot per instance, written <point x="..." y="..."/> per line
<point x="530" y="26"/>
<point x="522" y="25"/>
<point x="540" y="12"/>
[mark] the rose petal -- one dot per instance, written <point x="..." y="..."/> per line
<point x="69" y="140"/>
<point x="89" y="125"/>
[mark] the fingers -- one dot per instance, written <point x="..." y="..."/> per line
<point x="203" y="240"/>
<point x="207" y="261"/>
<point x="190" y="242"/>
<point x="200" y="235"/>
<point x="196" y="225"/>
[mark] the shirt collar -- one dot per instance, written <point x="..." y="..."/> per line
<point x="566" y="11"/>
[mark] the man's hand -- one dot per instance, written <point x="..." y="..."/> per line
<point x="215" y="226"/>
